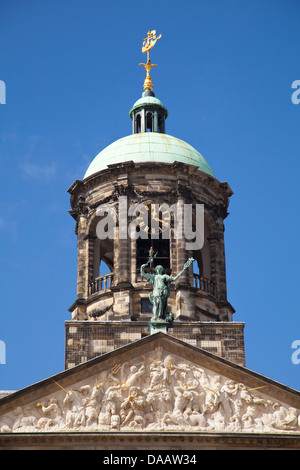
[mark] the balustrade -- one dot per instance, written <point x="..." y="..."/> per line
<point x="204" y="284"/>
<point x="101" y="283"/>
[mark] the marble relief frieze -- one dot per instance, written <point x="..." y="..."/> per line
<point x="157" y="391"/>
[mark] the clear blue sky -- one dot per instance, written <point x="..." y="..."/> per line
<point x="225" y="70"/>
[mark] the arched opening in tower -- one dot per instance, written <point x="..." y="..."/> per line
<point x="149" y="122"/>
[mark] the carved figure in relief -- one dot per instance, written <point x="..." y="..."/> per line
<point x="104" y="417"/>
<point x="24" y="419"/>
<point x="212" y="397"/>
<point x="153" y="415"/>
<point x="182" y="406"/>
<point x="231" y="388"/>
<point x="114" y="398"/>
<point x="91" y="411"/>
<point x="74" y="409"/>
<point x="195" y="418"/>
<point x="284" y="418"/>
<point x="218" y="421"/>
<point x="223" y="403"/>
<point x="245" y="396"/>
<point x="183" y="399"/>
<point x="159" y="372"/>
<point x="291" y="420"/>
<point x="229" y="398"/>
<point x="90" y="395"/>
<point x="109" y="408"/>
<point x="132" y="409"/>
<point x="6" y="423"/>
<point x="94" y="392"/>
<point x="242" y="402"/>
<point x="135" y="375"/>
<point x="250" y="417"/>
<point x="52" y="415"/>
<point x="166" y="402"/>
<point x="173" y="418"/>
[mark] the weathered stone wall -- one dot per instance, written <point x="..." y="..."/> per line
<point x="86" y="340"/>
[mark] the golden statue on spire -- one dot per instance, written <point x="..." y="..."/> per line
<point x="148" y="43"/>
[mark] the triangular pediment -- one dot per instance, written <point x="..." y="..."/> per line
<point x="158" y="383"/>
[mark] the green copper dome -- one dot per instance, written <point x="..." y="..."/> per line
<point x="148" y="147"/>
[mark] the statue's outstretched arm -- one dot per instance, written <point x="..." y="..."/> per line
<point x="147" y="276"/>
<point x="186" y="266"/>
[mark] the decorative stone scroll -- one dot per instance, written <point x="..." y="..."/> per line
<point x="155" y="392"/>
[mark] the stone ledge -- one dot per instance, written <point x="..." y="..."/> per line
<point x="146" y="441"/>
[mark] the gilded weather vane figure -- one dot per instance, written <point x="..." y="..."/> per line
<point x="148" y="44"/>
<point x="150" y="41"/>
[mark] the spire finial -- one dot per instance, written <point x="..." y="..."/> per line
<point x="148" y="43"/>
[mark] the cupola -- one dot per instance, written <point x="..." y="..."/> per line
<point x="148" y="114"/>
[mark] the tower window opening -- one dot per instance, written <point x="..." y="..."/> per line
<point x="197" y="265"/>
<point x="103" y="268"/>
<point x="103" y="259"/>
<point x="138" y="123"/>
<point x="149" y="122"/>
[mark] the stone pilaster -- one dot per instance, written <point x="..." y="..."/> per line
<point x="82" y="259"/>
<point x="182" y="253"/>
<point x="222" y="290"/>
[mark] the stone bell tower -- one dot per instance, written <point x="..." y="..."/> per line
<point x="131" y="186"/>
